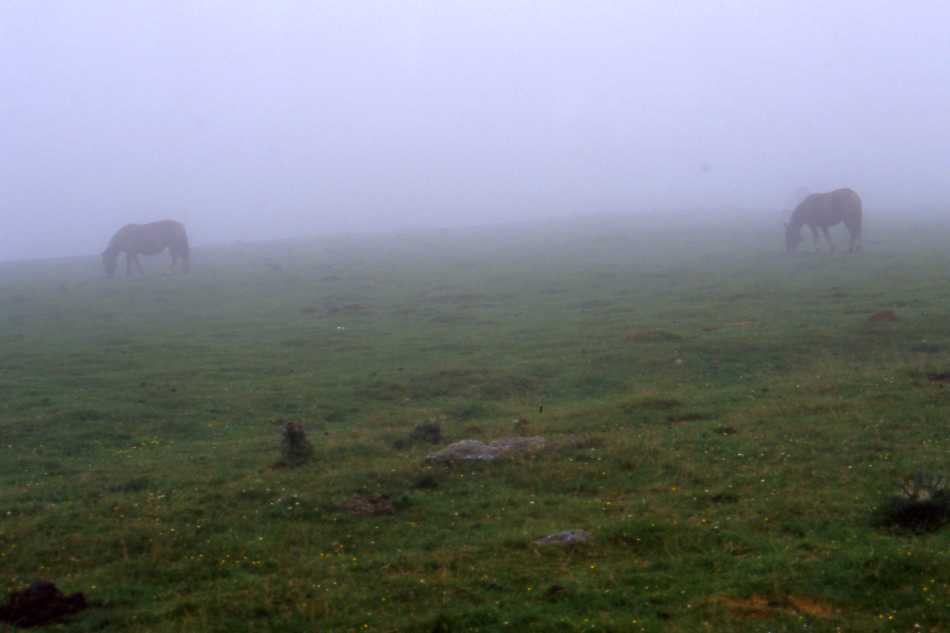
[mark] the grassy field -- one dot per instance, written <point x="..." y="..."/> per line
<point x="724" y="420"/>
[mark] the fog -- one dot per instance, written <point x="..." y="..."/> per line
<point x="252" y="121"/>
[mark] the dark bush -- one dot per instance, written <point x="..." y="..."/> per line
<point x="922" y="506"/>
<point x="427" y="432"/>
<point x="295" y="448"/>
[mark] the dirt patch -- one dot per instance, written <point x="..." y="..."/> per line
<point x="39" y="604"/>
<point x="650" y="336"/>
<point x="810" y="606"/>
<point x="457" y="298"/>
<point x="942" y="377"/>
<point x="368" y="505"/>
<point x="687" y="417"/>
<point x="349" y="309"/>
<point x="760" y="606"/>
<point x="453" y="319"/>
<point x="722" y="326"/>
<point x="883" y="316"/>
<point x="595" y="304"/>
<point x="653" y="404"/>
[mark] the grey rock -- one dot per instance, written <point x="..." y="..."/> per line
<point x="567" y="537"/>
<point x="481" y="451"/>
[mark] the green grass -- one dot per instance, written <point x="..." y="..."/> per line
<point x="726" y="422"/>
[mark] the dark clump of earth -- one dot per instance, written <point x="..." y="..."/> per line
<point x="369" y="505"/>
<point x="39" y="604"/>
<point x="426" y="482"/>
<point x="882" y="316"/>
<point x="426" y="433"/>
<point x="915" y="515"/>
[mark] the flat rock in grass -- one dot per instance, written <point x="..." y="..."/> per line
<point x="475" y="450"/>
<point x="567" y="537"/>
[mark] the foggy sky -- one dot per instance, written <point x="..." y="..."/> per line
<point x="256" y="120"/>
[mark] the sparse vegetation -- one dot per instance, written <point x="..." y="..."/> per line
<point x="137" y="436"/>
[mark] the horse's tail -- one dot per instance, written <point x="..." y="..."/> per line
<point x="183" y="247"/>
<point x="857" y="211"/>
<point x="854" y="219"/>
<point x="111" y="253"/>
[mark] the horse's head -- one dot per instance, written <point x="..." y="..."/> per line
<point x="109" y="261"/>
<point x="793" y="237"/>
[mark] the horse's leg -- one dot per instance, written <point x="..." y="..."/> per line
<point x="128" y="264"/>
<point x="138" y="264"/>
<point x="855" y="245"/>
<point x="814" y="237"/>
<point x="831" y="244"/>
<point x="181" y="257"/>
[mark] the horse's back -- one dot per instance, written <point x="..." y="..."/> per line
<point x="167" y="227"/>
<point x="151" y="238"/>
<point x="847" y="200"/>
<point x="826" y="209"/>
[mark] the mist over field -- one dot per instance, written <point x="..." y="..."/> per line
<point x="256" y="121"/>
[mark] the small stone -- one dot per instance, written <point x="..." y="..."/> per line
<point x="568" y="537"/>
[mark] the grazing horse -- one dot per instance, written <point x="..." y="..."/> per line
<point x="147" y="239"/>
<point x="822" y="210"/>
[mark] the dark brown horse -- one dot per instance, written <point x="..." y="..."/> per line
<point x="823" y="210"/>
<point x="147" y="239"/>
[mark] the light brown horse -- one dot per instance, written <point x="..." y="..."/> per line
<point x="823" y="210"/>
<point x="147" y="239"/>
